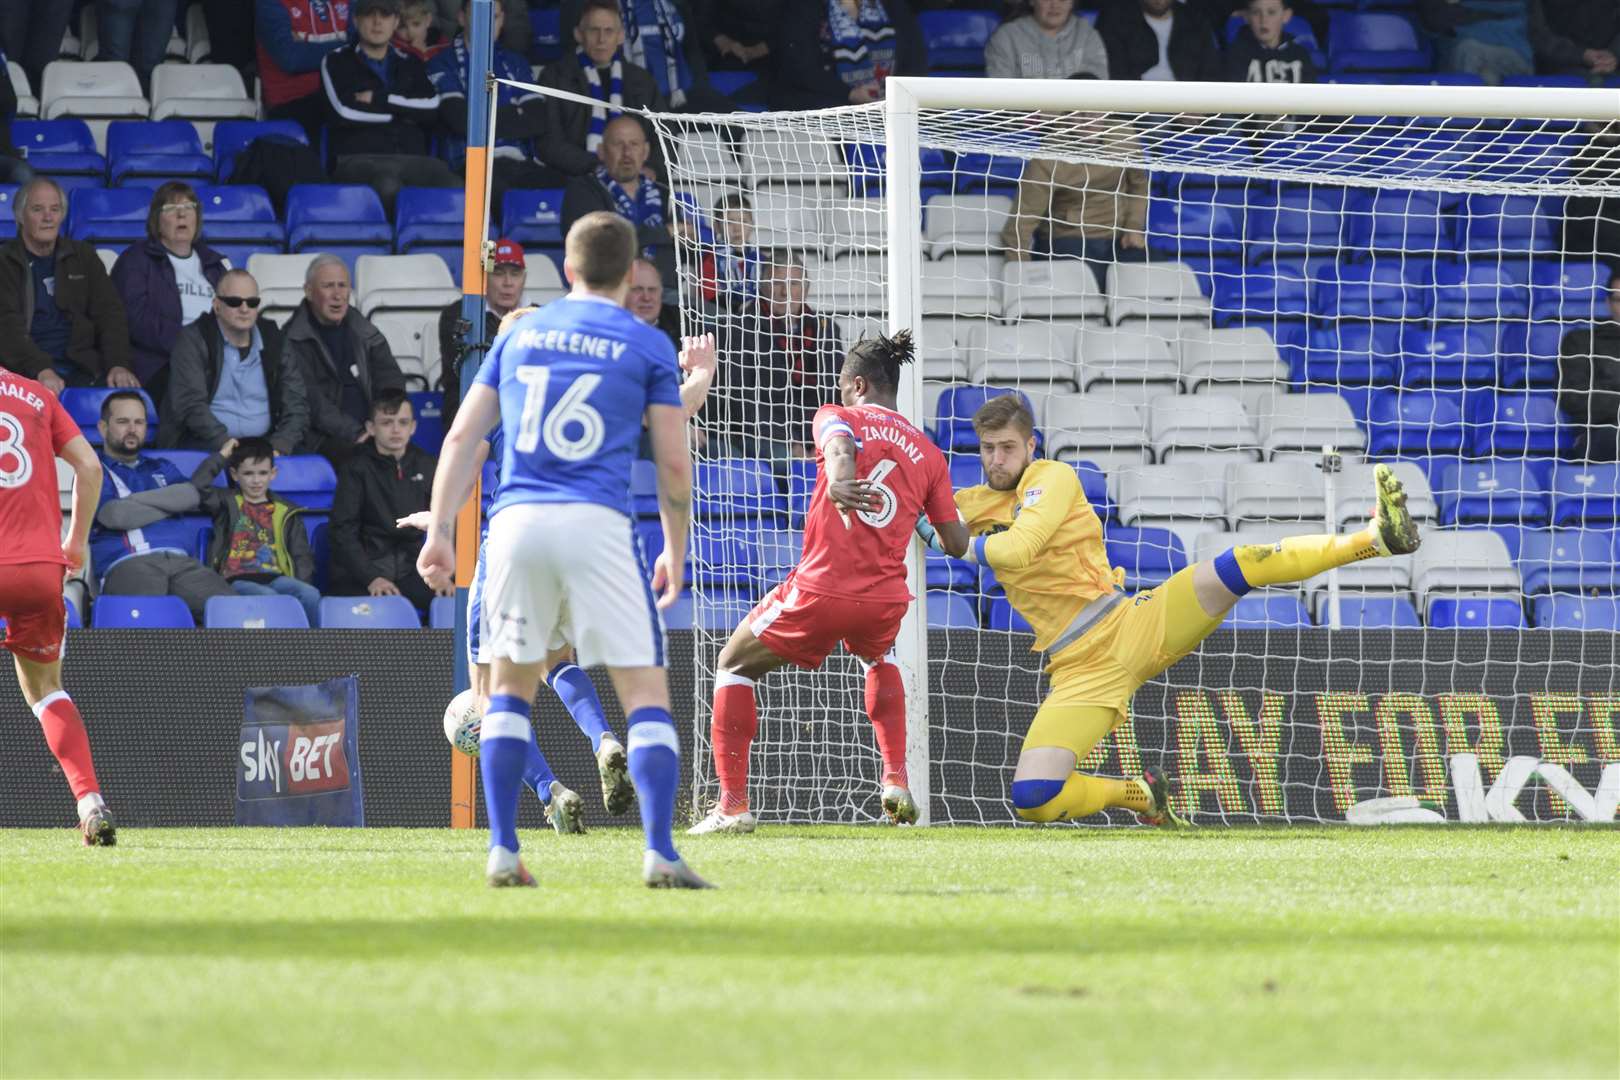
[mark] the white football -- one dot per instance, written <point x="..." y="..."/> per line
<point x="463" y="718"/>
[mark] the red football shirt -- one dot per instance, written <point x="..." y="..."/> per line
<point x="867" y="560"/>
<point x="33" y="427"/>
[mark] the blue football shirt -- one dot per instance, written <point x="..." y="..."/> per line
<point x="574" y="379"/>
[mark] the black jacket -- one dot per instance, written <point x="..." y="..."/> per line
<point x="773" y="377"/>
<point x="322" y="388"/>
<point x="1249" y="61"/>
<point x="805" y="76"/>
<point x="1589" y="386"/>
<point x="188" y="420"/>
<point x="568" y="124"/>
<point x="452" y="357"/>
<point x="1133" y="47"/>
<point x="398" y="119"/>
<point x="98" y="333"/>
<point x="373" y="491"/>
<point x="586" y="195"/>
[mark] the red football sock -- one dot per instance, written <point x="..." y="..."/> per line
<point x="886" y="705"/>
<point x="736" y="722"/>
<point x="65" y="734"/>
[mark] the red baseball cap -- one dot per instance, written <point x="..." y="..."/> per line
<point x="509" y="253"/>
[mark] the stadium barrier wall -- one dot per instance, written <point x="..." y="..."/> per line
<point x="1259" y="726"/>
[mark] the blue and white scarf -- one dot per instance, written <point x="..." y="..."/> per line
<point x="611" y="96"/>
<point x="863" y="48"/>
<point x="654" y="34"/>
<point x="736" y="273"/>
<point x="647" y="208"/>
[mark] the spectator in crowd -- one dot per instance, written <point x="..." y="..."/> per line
<point x="520" y="117"/>
<point x="419" y="34"/>
<point x="728" y="271"/>
<point x="61" y="321"/>
<point x="229" y="377"/>
<point x="166" y="282"/>
<point x="1589" y="381"/>
<point x="838" y="52"/>
<point x="1095" y="212"/>
<point x="1592" y="222"/>
<point x="517" y="34"/>
<point x="621" y="186"/>
<point x="31" y="34"/>
<point x="780" y="364"/>
<point x="381" y="110"/>
<point x="1264" y="52"/>
<point x="387" y="479"/>
<point x="139" y="545"/>
<point x="259" y="546"/>
<point x="342" y="360"/>
<point x="646" y="300"/>
<point x="1158" y="39"/>
<point x="136" y="32"/>
<point x="1494" y="39"/>
<point x="666" y="38"/>
<point x="597" y="70"/>
<point x="293" y="38"/>
<point x="1576" y="37"/>
<point x="503" y="293"/>
<point x="1047" y="41"/>
<point x="231" y="36"/>
<point x="13" y="169"/>
<point x="739" y="38"/>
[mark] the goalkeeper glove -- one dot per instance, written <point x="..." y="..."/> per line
<point x="928" y="534"/>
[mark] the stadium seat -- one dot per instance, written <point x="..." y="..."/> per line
<point x="429" y="216"/>
<point x="1183" y="426"/>
<point x="1096" y="428"/>
<point x="1387" y="288"/>
<point x="1414" y="422"/>
<point x="109" y="217"/>
<point x="533" y="217"/>
<point x="1158" y="290"/>
<point x="777" y="553"/>
<point x="1180" y="492"/>
<point x="153" y="151"/>
<point x="200" y="92"/>
<point x="956" y="39"/>
<point x="1302" y="221"/>
<point x="91" y="91"/>
<point x="1127" y="364"/>
<point x="956" y="408"/>
<point x="27" y="103"/>
<point x="736" y="488"/>
<point x="1228" y="355"/>
<point x="83" y="404"/>
<point x="1353" y="493"/>
<point x="779" y="155"/>
<point x="964" y="285"/>
<point x="8" y="217"/>
<point x="322" y="216"/>
<point x="940" y="571"/>
<point x="1586" y="494"/>
<point x="798" y="484"/>
<point x="1568" y="560"/>
<point x="306" y="479"/>
<point x="1351" y="354"/>
<point x="1509" y="225"/>
<point x="188" y="460"/>
<point x="1394" y="219"/>
<point x="1177" y="229"/>
<point x="63" y="149"/>
<point x="1450" y="354"/>
<point x="1375" y="41"/>
<point x="281" y="282"/>
<point x="1050" y="289"/>
<point x="369" y="613"/>
<point x="254" y="613"/>
<point x="1268" y="611"/>
<point x="1289" y="490"/>
<point x="978" y="172"/>
<point x="951" y="611"/>
<point x="1094" y="484"/>
<point x="543" y="284"/>
<point x="1037" y="351"/>
<point x="1514" y="423"/>
<point x="1478" y="290"/>
<point x="403" y="282"/>
<point x="964" y="223"/>
<point x="727" y="558"/>
<point x="1563" y="612"/>
<point x="113" y="612"/>
<point x="1375" y="612"/>
<point x="1475" y="613"/>
<point x="1463" y="559"/>
<point x="1293" y="424"/>
<point x="1261" y="295"/>
<point x="231" y="137"/>
<point x="240" y="214"/>
<point x="1569" y="291"/>
<point x="1148" y="556"/>
<point x="1000" y="615"/>
<point x="1495" y="491"/>
<point x="429" y="409"/>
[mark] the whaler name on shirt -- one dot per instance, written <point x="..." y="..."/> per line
<point x="24" y="395"/>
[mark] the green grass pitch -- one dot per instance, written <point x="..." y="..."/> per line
<point x="828" y="952"/>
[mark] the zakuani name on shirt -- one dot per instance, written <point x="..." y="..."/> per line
<point x="571" y="341"/>
<point x="895" y="437"/>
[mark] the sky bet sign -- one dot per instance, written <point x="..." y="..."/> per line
<point x="299" y="760"/>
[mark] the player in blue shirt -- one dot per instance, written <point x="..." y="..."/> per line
<point x="571" y="385"/>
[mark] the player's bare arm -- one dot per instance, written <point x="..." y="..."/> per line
<point x="847" y="492"/>
<point x="699" y="358"/>
<point x="667" y="426"/>
<point x="459" y="462"/>
<point x="86" y="493"/>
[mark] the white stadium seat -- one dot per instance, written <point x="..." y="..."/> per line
<point x="198" y="46"/>
<point x="1154" y="291"/>
<point x="405" y="333"/>
<point x="409" y="282"/>
<point x="281" y="282"/>
<point x="783" y="156"/>
<point x="1158" y="495"/>
<point x="1353" y="492"/>
<point x="962" y="285"/>
<point x="854" y="225"/>
<point x="93" y="92"/>
<point x="964" y="223"/>
<point x="1091" y="428"/>
<point x="1055" y="289"/>
<point x="1275" y="491"/>
<point x="703" y="157"/>
<point x="784" y="217"/>
<point x="1033" y="352"/>
<point x="543" y="284"/>
<point x="1133" y="364"/>
<point x="1458" y="560"/>
<point x="1187" y="425"/>
<point x="1243" y="354"/>
<point x="200" y="92"/>
<point x="852" y="285"/>
<point x="27" y="103"/>
<point x="1294" y="424"/>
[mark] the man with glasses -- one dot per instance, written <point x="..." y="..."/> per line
<point x="229" y="379"/>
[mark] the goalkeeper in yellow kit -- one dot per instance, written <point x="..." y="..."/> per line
<point x="1032" y="525"/>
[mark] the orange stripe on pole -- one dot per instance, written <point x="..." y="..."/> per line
<point x="472" y="237"/>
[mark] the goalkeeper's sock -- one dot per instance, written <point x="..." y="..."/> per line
<point x="655" y="768"/>
<point x="1295" y="559"/>
<point x="503" y="748"/>
<point x="736" y="722"/>
<point x="1077" y="797"/>
<point x="537" y="774"/>
<point x="578" y="695"/>
<point x="886" y="706"/>
<point x="69" y="742"/>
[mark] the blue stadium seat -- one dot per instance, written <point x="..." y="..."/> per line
<point x="1303" y="221"/>
<point x="140" y="612"/>
<point x="306" y="479"/>
<point x="1490" y="492"/>
<point x="320" y="546"/>
<point x="155" y="151"/>
<point x="956" y="39"/>
<point x="240" y="214"/>
<point x="429" y="216"/>
<point x="254" y="613"/>
<point x="1515" y="423"/>
<point x="1564" y="612"/>
<point x="644" y="488"/>
<point x="736" y="487"/>
<point x="995" y="174"/>
<point x="1375" y="612"/>
<point x="868" y="161"/>
<point x="1000" y="615"/>
<point x="1149" y="556"/>
<point x="1094" y="482"/>
<point x="1285" y="612"/>
<point x="1414" y="422"/>
<point x="442" y="613"/>
<point x="83" y="404"/>
<point x="1478" y="290"/>
<point x="715" y="610"/>
<point x="1569" y="291"/>
<point x="1375" y="41"/>
<point x="428" y="406"/>
<point x="322" y="216"/>
<point x="1450" y="354"/>
<point x="730" y="82"/>
<point x="1564" y="82"/>
<point x="955" y="410"/>
<point x="75" y="621"/>
<point x="187" y="461"/>
<point x="777" y="553"/>
<point x="1568" y="560"/>
<point x="231" y="137"/>
<point x="8" y="216"/>
<point x="533" y="216"/>
<point x="1392" y="219"/>
<point x="943" y="572"/>
<point x="949" y="611"/>
<point x="369" y="613"/>
<point x="1530" y="353"/>
<point x="1511" y="224"/>
<point x="1475" y="613"/>
<point x="1387" y="288"/>
<point x="1586" y="494"/>
<point x="108" y="217"/>
<point x="1262" y="294"/>
<point x="1177" y="228"/>
<point x="59" y="148"/>
<point x="1351" y="354"/>
<point x="546" y="26"/>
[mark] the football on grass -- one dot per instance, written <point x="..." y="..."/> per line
<point x="462" y="719"/>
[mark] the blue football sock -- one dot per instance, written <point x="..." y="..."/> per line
<point x="503" y="746"/>
<point x="579" y="698"/>
<point x="655" y="767"/>
<point x="537" y="774"/>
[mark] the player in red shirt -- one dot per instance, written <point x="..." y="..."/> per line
<point x="34" y="560"/>
<point x="877" y="472"/>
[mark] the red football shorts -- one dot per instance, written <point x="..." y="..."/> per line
<point x="803" y="628"/>
<point x="31" y="604"/>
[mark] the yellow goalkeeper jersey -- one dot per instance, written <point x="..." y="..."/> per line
<point x="1045" y="545"/>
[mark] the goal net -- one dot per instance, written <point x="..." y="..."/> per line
<point x="1222" y="305"/>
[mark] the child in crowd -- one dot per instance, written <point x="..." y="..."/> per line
<point x="1264" y="52"/>
<point x="730" y="272"/>
<point x="417" y="33"/>
<point x="259" y="545"/>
